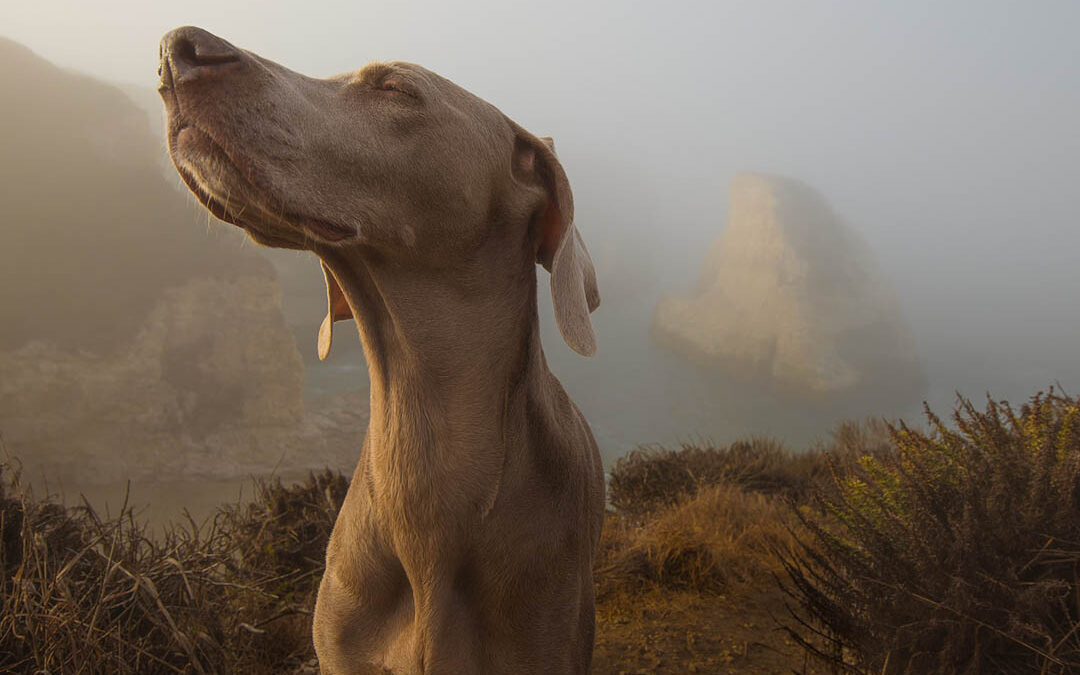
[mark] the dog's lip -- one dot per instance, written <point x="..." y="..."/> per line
<point x="218" y="210"/>
<point x="319" y="228"/>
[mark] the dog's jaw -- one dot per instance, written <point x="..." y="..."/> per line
<point x="233" y="186"/>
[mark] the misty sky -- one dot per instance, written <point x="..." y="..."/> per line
<point x="945" y="132"/>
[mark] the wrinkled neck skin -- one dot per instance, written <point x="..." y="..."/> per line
<point x="450" y="353"/>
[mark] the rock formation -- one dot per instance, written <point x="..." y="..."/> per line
<point x="790" y="294"/>
<point x="212" y="357"/>
<point x="91" y="233"/>
<point x="136" y="340"/>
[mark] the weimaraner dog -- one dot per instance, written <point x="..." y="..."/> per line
<point x="465" y="544"/>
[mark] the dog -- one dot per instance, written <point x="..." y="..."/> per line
<point x="466" y="541"/>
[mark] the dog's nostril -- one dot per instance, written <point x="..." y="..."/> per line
<point x="203" y="55"/>
<point x="189" y="48"/>
<point x="184" y="50"/>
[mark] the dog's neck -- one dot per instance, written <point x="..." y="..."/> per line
<point x="448" y="352"/>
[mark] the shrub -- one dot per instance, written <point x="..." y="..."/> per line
<point x="653" y="477"/>
<point x="957" y="552"/>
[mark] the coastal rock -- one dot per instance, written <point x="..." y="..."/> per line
<point x="213" y="357"/>
<point x="137" y="341"/>
<point x="791" y="295"/>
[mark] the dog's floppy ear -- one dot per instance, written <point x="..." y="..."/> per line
<point x="561" y="250"/>
<point x="337" y="310"/>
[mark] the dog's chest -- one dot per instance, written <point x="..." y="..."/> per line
<point x="432" y="490"/>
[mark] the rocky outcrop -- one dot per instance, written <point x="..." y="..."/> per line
<point x="213" y="357"/>
<point x="790" y="294"/>
<point x="210" y="386"/>
<point x="91" y="232"/>
<point x="136" y="340"/>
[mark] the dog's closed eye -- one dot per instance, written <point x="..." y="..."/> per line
<point x="385" y="78"/>
<point x="399" y="88"/>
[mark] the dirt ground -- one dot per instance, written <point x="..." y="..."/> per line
<point x="662" y="633"/>
<point x="665" y="633"/>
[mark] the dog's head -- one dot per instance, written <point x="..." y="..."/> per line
<point x="391" y="159"/>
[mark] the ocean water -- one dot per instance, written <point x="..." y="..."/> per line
<point x="637" y="393"/>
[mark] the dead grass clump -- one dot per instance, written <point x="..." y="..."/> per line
<point x="716" y="541"/>
<point x="278" y="543"/>
<point x="79" y="593"/>
<point x="957" y="553"/>
<point x="84" y="594"/>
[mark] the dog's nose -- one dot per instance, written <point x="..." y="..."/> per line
<point x="191" y="52"/>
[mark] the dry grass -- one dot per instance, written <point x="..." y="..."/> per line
<point x="970" y="531"/>
<point x="685" y="580"/>
<point x="84" y="594"/>
<point x="718" y="540"/>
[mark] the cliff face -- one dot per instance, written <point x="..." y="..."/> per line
<point x="135" y="337"/>
<point x="212" y="357"/>
<point x="790" y="294"/>
<point x="200" y="392"/>
<point x="91" y="233"/>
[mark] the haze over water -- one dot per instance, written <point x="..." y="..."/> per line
<point x="945" y="134"/>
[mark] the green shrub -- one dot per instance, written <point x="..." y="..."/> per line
<point x="957" y="552"/>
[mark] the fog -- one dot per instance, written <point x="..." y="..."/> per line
<point x="943" y="133"/>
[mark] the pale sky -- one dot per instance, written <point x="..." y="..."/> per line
<point x="945" y="132"/>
